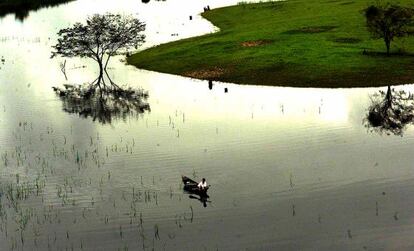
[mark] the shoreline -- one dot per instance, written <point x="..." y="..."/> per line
<point x="307" y="52"/>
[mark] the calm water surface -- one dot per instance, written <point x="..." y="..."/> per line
<point x="290" y="169"/>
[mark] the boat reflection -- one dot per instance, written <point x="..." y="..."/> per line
<point x="202" y="199"/>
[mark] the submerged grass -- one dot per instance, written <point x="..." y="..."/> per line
<point x="46" y="180"/>
<point x="304" y="43"/>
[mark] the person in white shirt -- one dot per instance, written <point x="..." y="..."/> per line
<point x="202" y="185"/>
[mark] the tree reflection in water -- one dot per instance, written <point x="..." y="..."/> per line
<point x="390" y="112"/>
<point x="113" y="104"/>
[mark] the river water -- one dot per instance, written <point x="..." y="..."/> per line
<point x="289" y="168"/>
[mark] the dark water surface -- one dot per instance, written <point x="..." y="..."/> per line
<point x="290" y="169"/>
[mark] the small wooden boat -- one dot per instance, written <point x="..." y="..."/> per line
<point x="192" y="187"/>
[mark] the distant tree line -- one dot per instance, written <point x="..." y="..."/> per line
<point x="21" y="8"/>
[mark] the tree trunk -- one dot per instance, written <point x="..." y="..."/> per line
<point x="388" y="45"/>
<point x="101" y="70"/>
<point x="388" y="97"/>
<point x="113" y="85"/>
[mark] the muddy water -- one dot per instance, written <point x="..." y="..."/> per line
<point x="290" y="169"/>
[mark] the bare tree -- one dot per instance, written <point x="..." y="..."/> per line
<point x="102" y="37"/>
<point x="388" y="21"/>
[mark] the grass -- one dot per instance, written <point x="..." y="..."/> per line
<point x="36" y="189"/>
<point x="301" y="43"/>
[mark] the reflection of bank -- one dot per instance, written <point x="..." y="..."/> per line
<point x="390" y="112"/>
<point x="21" y="8"/>
<point x="104" y="108"/>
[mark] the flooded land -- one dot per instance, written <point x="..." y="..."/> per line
<point x="289" y="168"/>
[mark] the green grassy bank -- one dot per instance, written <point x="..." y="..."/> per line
<point x="306" y="43"/>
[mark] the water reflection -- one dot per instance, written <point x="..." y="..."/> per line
<point x="147" y="1"/>
<point x="390" y="112"/>
<point x="106" y="107"/>
<point x="202" y="199"/>
<point x="210" y="85"/>
<point x="266" y="149"/>
<point x="21" y="8"/>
